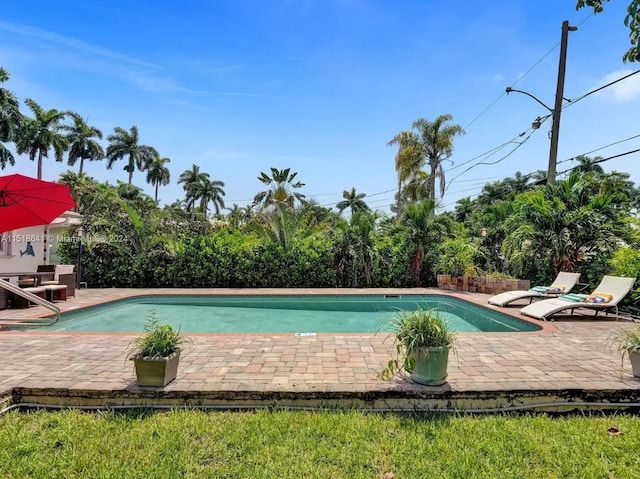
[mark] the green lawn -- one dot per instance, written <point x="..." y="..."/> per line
<point x="332" y="444"/>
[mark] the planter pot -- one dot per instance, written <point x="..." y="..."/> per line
<point x="156" y="372"/>
<point x="431" y="366"/>
<point x="635" y="364"/>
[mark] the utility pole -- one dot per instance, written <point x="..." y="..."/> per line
<point x="557" y="110"/>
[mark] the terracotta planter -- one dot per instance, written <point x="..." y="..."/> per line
<point x="156" y="372"/>
<point x="431" y="365"/>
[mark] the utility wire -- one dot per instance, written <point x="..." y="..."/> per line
<point x="520" y="78"/>
<point x="531" y="130"/>
<point x="504" y="93"/>
<point x="582" y="97"/>
<point x="601" y="148"/>
<point x="602" y="160"/>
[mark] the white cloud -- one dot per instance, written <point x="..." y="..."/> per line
<point x="624" y="91"/>
<point x="498" y="78"/>
<point x="54" y="38"/>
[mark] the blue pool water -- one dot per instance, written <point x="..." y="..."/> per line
<point x="281" y="314"/>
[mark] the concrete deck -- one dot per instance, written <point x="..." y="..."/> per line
<point x="566" y="365"/>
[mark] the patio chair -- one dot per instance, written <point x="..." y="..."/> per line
<point x="607" y="295"/>
<point x="28" y="281"/>
<point x="563" y="284"/>
<point x="63" y="275"/>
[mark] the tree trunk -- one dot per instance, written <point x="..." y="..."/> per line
<point x="40" y="164"/>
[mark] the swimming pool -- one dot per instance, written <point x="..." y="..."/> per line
<point x="281" y="314"/>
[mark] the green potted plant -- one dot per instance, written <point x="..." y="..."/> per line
<point x="156" y="354"/>
<point x="627" y="342"/>
<point x="423" y="340"/>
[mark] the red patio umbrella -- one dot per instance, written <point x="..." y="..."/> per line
<point x="26" y="202"/>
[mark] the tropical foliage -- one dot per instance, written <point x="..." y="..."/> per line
<point x="41" y="133"/>
<point x="10" y="120"/>
<point x="631" y="20"/>
<point x="430" y="145"/>
<point x="517" y="226"/>
<point x="125" y="144"/>
<point x="82" y="143"/>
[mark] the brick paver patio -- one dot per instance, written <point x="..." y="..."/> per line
<point x="567" y="360"/>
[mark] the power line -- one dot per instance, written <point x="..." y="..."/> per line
<point x="488" y="152"/>
<point x="512" y="85"/>
<point x="520" y="78"/>
<point x="602" y="160"/>
<point x="601" y="148"/>
<point x="519" y="144"/>
<point x="582" y="97"/>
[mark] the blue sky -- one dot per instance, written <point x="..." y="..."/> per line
<point x="238" y="86"/>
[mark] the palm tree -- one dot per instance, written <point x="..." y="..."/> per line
<point x="352" y="200"/>
<point x="210" y="191"/>
<point x="436" y="141"/>
<point x="191" y="179"/>
<point x="158" y="174"/>
<point x="408" y="160"/>
<point x="123" y="144"/>
<point x="280" y="192"/>
<point x="356" y="251"/>
<point x="424" y="232"/>
<point x="82" y="145"/>
<point x="10" y="120"/>
<point x="588" y="165"/>
<point x="553" y="227"/>
<point x="41" y="133"/>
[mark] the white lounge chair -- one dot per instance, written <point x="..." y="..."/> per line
<point x="563" y="284"/>
<point x="610" y="291"/>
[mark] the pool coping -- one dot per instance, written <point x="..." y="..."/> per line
<point x="563" y="366"/>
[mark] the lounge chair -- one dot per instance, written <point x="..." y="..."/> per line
<point x="63" y="275"/>
<point x="607" y="295"/>
<point x="563" y="283"/>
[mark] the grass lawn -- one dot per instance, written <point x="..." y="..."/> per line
<point x="332" y="444"/>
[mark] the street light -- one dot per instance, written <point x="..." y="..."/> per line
<point x="80" y="233"/>
<point x="557" y="109"/>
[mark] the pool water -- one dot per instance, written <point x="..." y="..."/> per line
<point x="281" y="314"/>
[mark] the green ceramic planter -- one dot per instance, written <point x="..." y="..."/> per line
<point x="635" y="364"/>
<point x="431" y="365"/>
<point x="156" y="372"/>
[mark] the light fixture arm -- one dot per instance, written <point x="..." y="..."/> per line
<point x="509" y="90"/>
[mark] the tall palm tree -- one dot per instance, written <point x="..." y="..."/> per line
<point x="408" y="160"/>
<point x="82" y="145"/>
<point x="125" y="144"/>
<point x="10" y="119"/>
<point x="436" y="141"/>
<point x="281" y="185"/>
<point x="41" y="133"/>
<point x="158" y="174"/>
<point x="191" y="179"/>
<point x="210" y="191"/>
<point x="352" y="200"/>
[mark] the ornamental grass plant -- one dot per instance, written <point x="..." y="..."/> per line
<point x="416" y="330"/>
<point x="160" y="341"/>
